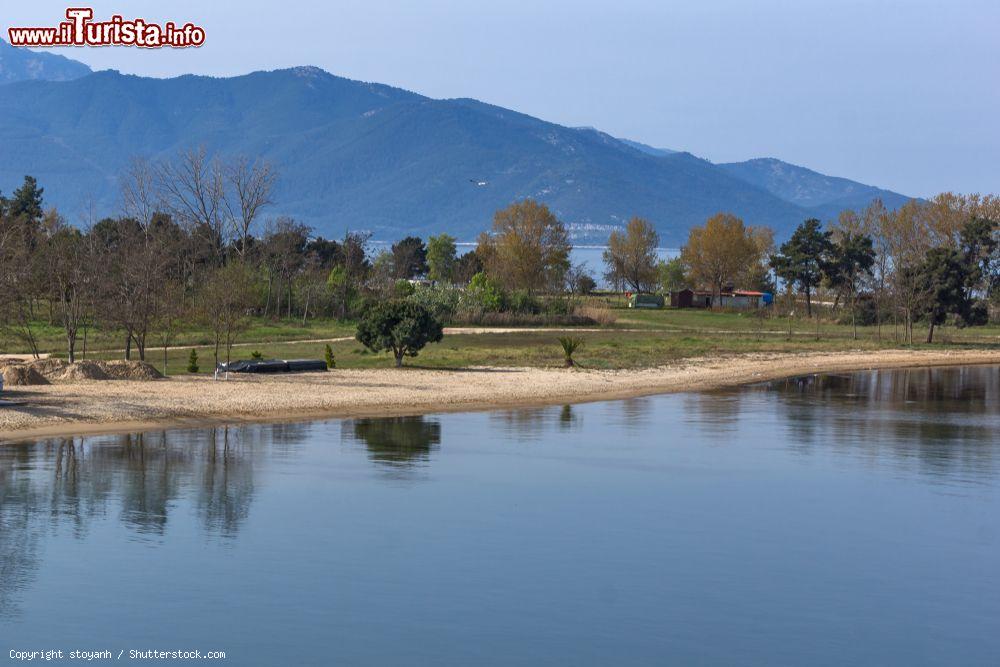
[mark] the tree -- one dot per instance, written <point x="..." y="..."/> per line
<point x="22" y="268"/>
<point x="247" y="187"/>
<point x="283" y="249"/>
<point x="441" y="258"/>
<point x="979" y="245"/>
<point x="26" y="202"/>
<point x="802" y="259"/>
<point x="349" y="274"/>
<point x="528" y="248"/>
<point x="723" y="252"/>
<point x="850" y="264"/>
<point x="671" y="274"/>
<point x="224" y="300"/>
<point x="467" y="266"/>
<point x="400" y="327"/>
<point x="70" y="277"/>
<point x="192" y="189"/>
<point x="631" y="257"/>
<point x="409" y="258"/>
<point x="579" y="281"/>
<point x="940" y="287"/>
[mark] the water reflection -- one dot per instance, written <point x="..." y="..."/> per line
<point x="398" y="442"/>
<point x="63" y="484"/>
<point x="942" y="419"/>
<point x="683" y="511"/>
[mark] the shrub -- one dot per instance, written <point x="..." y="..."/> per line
<point x="328" y="356"/>
<point x="400" y="327"/>
<point x="256" y="355"/>
<point x="484" y="294"/>
<point x="443" y="302"/>
<point x="402" y="289"/>
<point x="192" y="366"/>
<point x="523" y="303"/>
<point x="569" y="346"/>
<point x="599" y="314"/>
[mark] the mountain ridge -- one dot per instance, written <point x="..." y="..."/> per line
<point x="20" y="64"/>
<point x="362" y="155"/>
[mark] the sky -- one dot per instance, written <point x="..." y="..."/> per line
<point x="903" y="94"/>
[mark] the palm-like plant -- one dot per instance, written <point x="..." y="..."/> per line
<point x="569" y="346"/>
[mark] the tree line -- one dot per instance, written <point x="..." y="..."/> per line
<point x="191" y="246"/>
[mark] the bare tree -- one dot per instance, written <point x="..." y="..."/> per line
<point x="192" y="191"/>
<point x="70" y="280"/>
<point x="248" y="187"/>
<point x="139" y="190"/>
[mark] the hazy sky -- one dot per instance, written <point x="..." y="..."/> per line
<point x="903" y="94"/>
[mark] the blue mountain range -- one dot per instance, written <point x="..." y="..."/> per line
<point x="365" y="156"/>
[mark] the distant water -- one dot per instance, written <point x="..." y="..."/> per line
<point x="829" y="520"/>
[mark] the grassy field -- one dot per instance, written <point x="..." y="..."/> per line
<point x="637" y="338"/>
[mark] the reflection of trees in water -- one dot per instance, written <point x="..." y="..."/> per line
<point x="398" y="441"/>
<point x="568" y="419"/>
<point x="527" y="424"/>
<point x="19" y="537"/>
<point x="67" y="483"/>
<point x="715" y="412"/>
<point x="944" y="418"/>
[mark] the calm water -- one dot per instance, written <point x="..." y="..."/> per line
<point x="833" y="520"/>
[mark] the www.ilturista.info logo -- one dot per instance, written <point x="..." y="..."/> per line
<point x="81" y="30"/>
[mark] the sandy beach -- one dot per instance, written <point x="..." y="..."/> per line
<point x="81" y="407"/>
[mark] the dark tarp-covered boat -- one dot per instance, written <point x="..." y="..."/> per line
<point x="273" y="366"/>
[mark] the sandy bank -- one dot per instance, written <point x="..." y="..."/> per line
<point x="108" y="406"/>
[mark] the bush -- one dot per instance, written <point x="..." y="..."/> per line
<point x="484" y="295"/>
<point x="443" y="302"/>
<point x="523" y="303"/>
<point x="569" y="346"/>
<point x="256" y="355"/>
<point x="328" y="356"/>
<point x="192" y="366"/>
<point x="598" y="314"/>
<point x="403" y="288"/>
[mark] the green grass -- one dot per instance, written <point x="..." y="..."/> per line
<point x="639" y="338"/>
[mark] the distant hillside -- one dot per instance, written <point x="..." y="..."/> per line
<point x="17" y="64"/>
<point x="647" y="149"/>
<point x="356" y="155"/>
<point x="825" y="195"/>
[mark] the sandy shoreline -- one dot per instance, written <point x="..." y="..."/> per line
<point x="123" y="405"/>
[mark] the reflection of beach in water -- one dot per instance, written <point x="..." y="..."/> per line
<point x="835" y="505"/>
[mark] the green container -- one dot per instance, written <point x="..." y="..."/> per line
<point x="645" y="301"/>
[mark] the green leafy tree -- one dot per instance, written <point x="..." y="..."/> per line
<point x="401" y="327"/>
<point x="939" y="284"/>
<point x="802" y="259"/>
<point x="851" y="261"/>
<point x="980" y="245"/>
<point x="485" y="294"/>
<point x="192" y="366"/>
<point x="467" y="266"/>
<point x="409" y="258"/>
<point x="671" y="275"/>
<point x="441" y="258"/>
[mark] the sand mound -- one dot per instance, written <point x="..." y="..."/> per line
<point x="84" y="370"/>
<point x="20" y="375"/>
<point x="130" y="370"/>
<point x="52" y="369"/>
